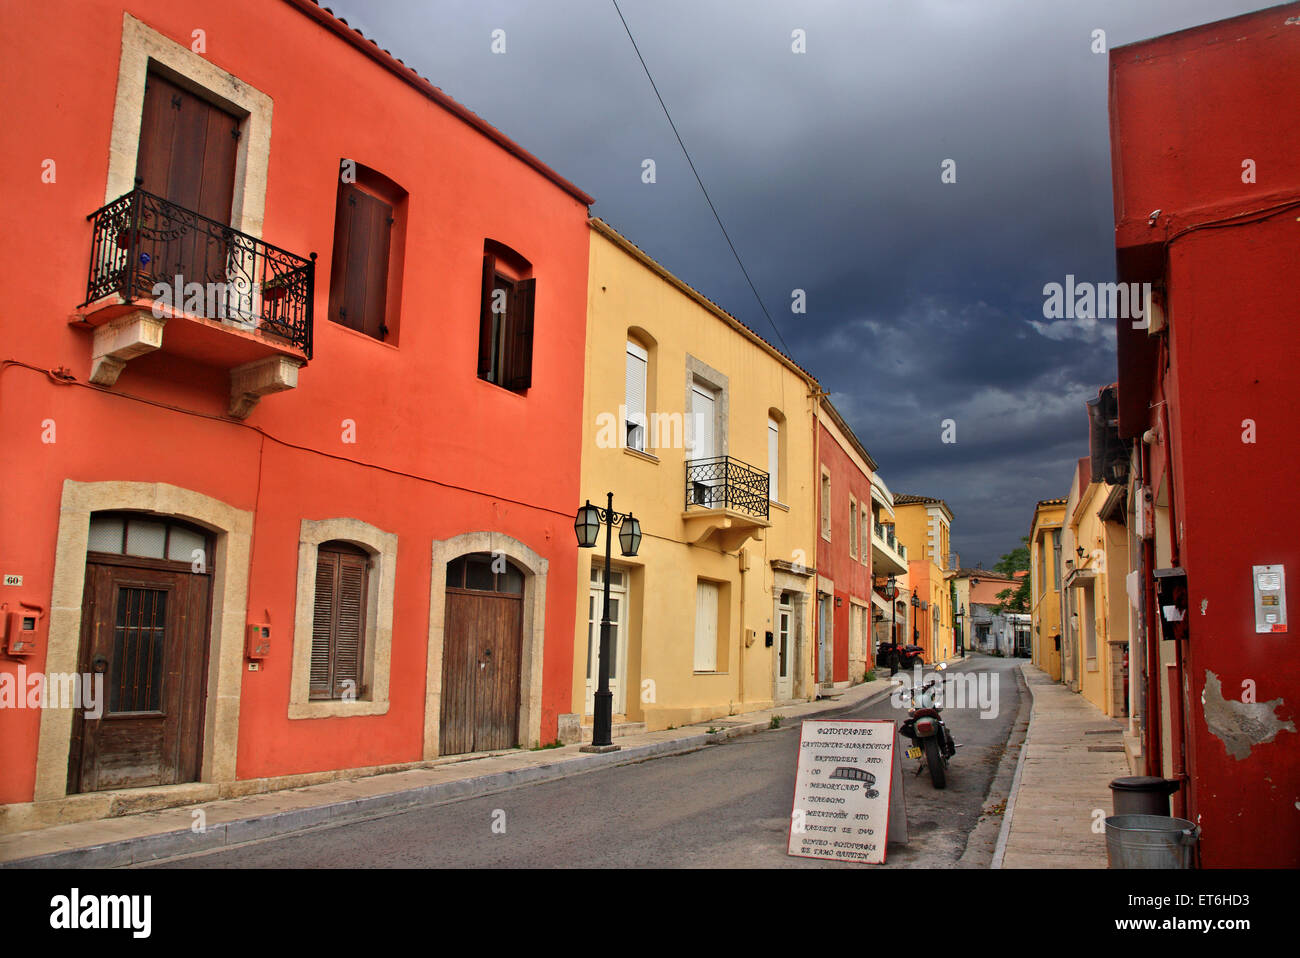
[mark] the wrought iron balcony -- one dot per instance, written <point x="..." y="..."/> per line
<point x="209" y="269"/>
<point x="727" y="483"/>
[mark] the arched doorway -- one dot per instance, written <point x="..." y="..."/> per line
<point x="481" y="660"/>
<point x="143" y="651"/>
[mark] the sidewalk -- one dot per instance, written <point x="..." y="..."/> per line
<point x="149" y="836"/>
<point x="1071" y="753"/>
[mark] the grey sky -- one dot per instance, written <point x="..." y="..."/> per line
<point x="825" y="167"/>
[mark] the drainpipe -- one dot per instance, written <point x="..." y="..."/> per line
<point x="740" y="663"/>
<point x="816" y="397"/>
<point x="1150" y="633"/>
<point x="1177" y="712"/>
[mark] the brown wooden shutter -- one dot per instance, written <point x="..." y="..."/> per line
<point x="519" y="335"/>
<point x="485" y="315"/>
<point x="339" y="622"/>
<point x="359" y="270"/>
<point x="188" y="149"/>
<point x="349" y="624"/>
<point x="323" y="624"/>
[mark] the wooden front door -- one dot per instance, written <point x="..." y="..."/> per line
<point x="482" y="656"/>
<point x="144" y="629"/>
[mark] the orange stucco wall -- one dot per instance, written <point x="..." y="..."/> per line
<point x="437" y="451"/>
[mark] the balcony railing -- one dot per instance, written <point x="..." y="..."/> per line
<point x="727" y="483"/>
<point x="886" y="535"/>
<point x="209" y="268"/>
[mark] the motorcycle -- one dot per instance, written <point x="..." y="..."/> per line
<point x="932" y="743"/>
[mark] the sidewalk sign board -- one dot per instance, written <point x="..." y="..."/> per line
<point x="844" y="803"/>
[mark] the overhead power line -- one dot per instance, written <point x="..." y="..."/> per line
<point x="708" y="199"/>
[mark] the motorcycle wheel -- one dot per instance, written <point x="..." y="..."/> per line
<point x="935" y="761"/>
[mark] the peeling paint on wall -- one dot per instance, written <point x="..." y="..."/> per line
<point x="1240" y="725"/>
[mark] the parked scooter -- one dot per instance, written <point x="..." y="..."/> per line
<point x="931" y="741"/>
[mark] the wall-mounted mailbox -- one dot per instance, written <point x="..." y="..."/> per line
<point x="21" y="627"/>
<point x="259" y="640"/>
<point x="1270" y="598"/>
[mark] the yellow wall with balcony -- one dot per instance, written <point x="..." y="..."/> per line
<point x="698" y="600"/>
<point x="924" y="526"/>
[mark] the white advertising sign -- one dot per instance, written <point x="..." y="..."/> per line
<point x="842" y="790"/>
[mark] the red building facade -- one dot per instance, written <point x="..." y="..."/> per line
<point x="1207" y="210"/>
<point x="844" y="604"/>
<point x="291" y="424"/>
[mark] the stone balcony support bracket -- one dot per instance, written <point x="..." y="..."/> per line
<point x="251" y="381"/>
<point x="121" y="340"/>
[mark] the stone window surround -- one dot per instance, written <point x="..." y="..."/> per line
<point x="706" y="375"/>
<point x="827" y="516"/>
<point x="536" y="570"/>
<point x="232" y="535"/>
<point x="378" y="643"/>
<point x="141" y="46"/>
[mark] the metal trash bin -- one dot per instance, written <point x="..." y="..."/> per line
<point x="1150" y="841"/>
<point x="1141" y="795"/>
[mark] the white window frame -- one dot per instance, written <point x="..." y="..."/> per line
<point x="640" y="439"/>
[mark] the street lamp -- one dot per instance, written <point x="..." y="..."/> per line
<point x="586" y="525"/>
<point x="891" y="590"/>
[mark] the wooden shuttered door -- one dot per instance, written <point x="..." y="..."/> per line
<point x="339" y="621"/>
<point x="359" y="272"/>
<point x="187" y="155"/>
<point x="188" y="149"/>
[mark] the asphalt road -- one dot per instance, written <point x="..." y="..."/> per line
<point x="726" y="806"/>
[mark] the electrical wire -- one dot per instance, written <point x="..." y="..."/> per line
<point x="700" y="181"/>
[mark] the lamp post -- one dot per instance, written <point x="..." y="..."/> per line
<point x="916" y="611"/>
<point x="891" y="590"/>
<point x="587" y="527"/>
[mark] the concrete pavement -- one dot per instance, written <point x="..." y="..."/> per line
<point x="153" y="835"/>
<point x="1061" y="794"/>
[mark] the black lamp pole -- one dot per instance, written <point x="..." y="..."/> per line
<point x="630" y="540"/>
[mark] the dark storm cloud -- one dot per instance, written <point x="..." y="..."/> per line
<point x="922" y="296"/>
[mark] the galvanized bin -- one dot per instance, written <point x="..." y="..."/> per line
<point x="1150" y="841"/>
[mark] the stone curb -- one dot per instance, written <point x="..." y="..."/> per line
<point x="1000" y="850"/>
<point x="144" y="849"/>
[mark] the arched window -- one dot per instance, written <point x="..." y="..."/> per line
<point x="149" y="537"/>
<point x="505" y="332"/>
<point x="339" y="621"/>
<point x="366" y="263"/>
<point x="484" y="572"/>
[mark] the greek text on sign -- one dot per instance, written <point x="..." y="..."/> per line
<point x="841" y="791"/>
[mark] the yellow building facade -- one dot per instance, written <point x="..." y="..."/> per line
<point x="1045" y="585"/>
<point x="704" y="432"/>
<point x="1095" y="606"/>
<point x="924" y="525"/>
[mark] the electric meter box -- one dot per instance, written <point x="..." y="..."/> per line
<point x="259" y="640"/>
<point x="1270" y="598"/>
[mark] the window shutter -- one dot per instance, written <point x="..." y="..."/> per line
<point x="485" y="316"/>
<point x="636" y="395"/>
<point x="519" y="336"/>
<point x="322" y="624"/>
<point x="773" y="460"/>
<point x="706" y="627"/>
<point x="349" y="623"/>
<point x="376" y="220"/>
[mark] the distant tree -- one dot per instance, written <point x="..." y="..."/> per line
<point x="1017" y="560"/>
